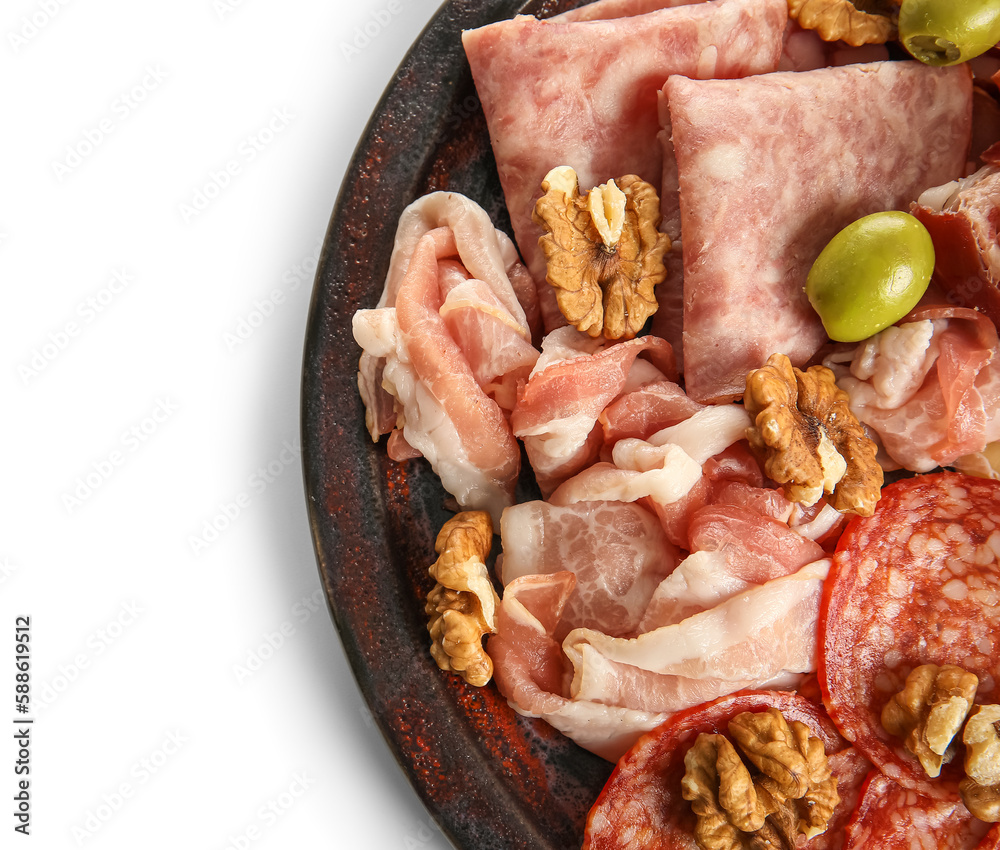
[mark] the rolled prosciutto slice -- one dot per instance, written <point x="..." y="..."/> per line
<point x="928" y="387"/>
<point x="770" y="169"/>
<point x="616" y="551"/>
<point x="444" y="349"/>
<point x="530" y="668"/>
<point x="574" y="379"/>
<point x="584" y="92"/>
<point x="962" y="218"/>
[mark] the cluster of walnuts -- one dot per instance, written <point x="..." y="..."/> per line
<point x="786" y="791"/>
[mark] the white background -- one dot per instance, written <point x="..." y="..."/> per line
<point x="189" y="687"/>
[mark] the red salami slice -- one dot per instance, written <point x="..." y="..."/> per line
<point x="916" y="583"/>
<point x="641" y="805"/>
<point x="889" y="816"/>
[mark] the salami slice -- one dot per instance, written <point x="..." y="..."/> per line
<point x="916" y="583"/>
<point x="889" y="816"/>
<point x="641" y="805"/>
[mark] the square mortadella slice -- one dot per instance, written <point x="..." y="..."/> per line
<point x="770" y="169"/>
<point x="584" y="93"/>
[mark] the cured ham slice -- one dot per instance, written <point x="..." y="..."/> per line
<point x="529" y="666"/>
<point x="755" y="213"/>
<point x="663" y="484"/>
<point x="598" y="111"/>
<point x="426" y="353"/>
<point x="753" y="639"/>
<point x="556" y="415"/>
<point x="645" y="410"/>
<point x="465" y="233"/>
<point x="606" y="10"/>
<point x="962" y="218"/>
<point x="733" y="476"/>
<point x="500" y="356"/>
<point x="616" y="551"/>
<point x="928" y="387"/>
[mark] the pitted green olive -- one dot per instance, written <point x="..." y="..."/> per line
<point x="870" y="275"/>
<point x="946" y="32"/>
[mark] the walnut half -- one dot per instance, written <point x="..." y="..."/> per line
<point x="981" y="788"/>
<point x="808" y="439"/>
<point x="789" y="791"/>
<point x="603" y="251"/>
<point x="855" y="22"/>
<point x="462" y="605"/>
<point x="930" y="711"/>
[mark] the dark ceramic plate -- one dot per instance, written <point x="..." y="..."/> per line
<point x="491" y="778"/>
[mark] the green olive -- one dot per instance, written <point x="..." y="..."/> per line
<point x="946" y="32"/>
<point x="870" y="275"/>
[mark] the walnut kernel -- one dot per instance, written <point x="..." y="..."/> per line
<point x="791" y="791"/>
<point x="603" y="251"/>
<point x="982" y="744"/>
<point x="982" y="801"/>
<point x="855" y="22"/>
<point x="808" y="439"/>
<point x="462" y="605"/>
<point x="721" y="793"/>
<point x="930" y="711"/>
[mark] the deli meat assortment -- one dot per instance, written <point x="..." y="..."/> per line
<point x="759" y="569"/>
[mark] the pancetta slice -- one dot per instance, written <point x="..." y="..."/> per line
<point x="616" y="551"/>
<point x="757" y="206"/>
<point x="529" y="670"/>
<point x="645" y="410"/>
<point x="763" y="636"/>
<point x="439" y="409"/>
<point x="557" y="411"/>
<point x="584" y="92"/>
<point x="466" y="239"/>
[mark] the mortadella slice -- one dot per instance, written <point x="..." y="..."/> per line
<point x="584" y="93"/>
<point x="770" y="169"/>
